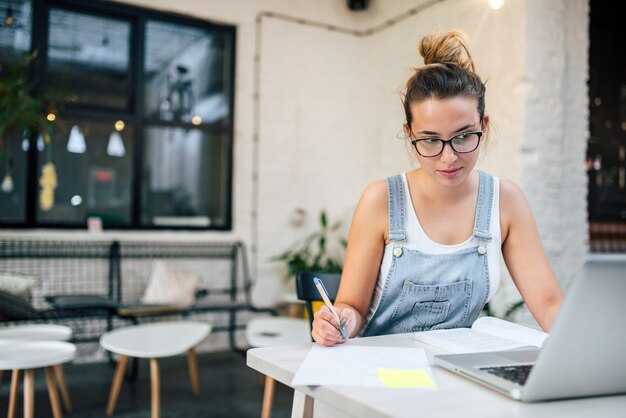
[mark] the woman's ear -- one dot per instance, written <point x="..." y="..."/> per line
<point x="485" y="124"/>
<point x="407" y="130"/>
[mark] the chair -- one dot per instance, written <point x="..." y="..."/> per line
<point x="306" y="290"/>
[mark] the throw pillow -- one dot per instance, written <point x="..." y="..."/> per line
<point x="81" y="302"/>
<point x="18" y="284"/>
<point x="169" y="287"/>
<point x="14" y="308"/>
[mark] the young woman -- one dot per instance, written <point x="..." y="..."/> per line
<point x="424" y="247"/>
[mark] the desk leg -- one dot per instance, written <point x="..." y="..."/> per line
<point x="15" y="387"/>
<point x="192" y="361"/>
<point x="117" y="384"/>
<point x="29" y="393"/>
<point x="302" y="405"/>
<point x="268" y="397"/>
<point x="154" y="385"/>
<point x="52" y="392"/>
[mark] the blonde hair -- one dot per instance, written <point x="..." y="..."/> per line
<point x="448" y="71"/>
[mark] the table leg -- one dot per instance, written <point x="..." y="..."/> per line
<point x="192" y="359"/>
<point x="302" y="405"/>
<point x="117" y="383"/>
<point x="15" y="387"/>
<point x="52" y="392"/>
<point x="29" y="393"/>
<point x="65" y="394"/>
<point x="268" y="397"/>
<point x="155" y="388"/>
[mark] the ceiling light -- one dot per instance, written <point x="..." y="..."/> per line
<point x="7" y="183"/>
<point x="41" y="145"/>
<point x="8" y="20"/>
<point x="115" y="147"/>
<point x="496" y="4"/>
<point x="76" y="142"/>
<point x="76" y="200"/>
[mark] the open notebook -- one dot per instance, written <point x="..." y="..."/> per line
<point x="486" y="334"/>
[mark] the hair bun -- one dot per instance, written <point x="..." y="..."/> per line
<point x="446" y="47"/>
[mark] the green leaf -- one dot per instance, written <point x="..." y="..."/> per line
<point x="323" y="221"/>
<point x="322" y="244"/>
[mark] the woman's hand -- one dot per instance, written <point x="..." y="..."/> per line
<point x="324" y="330"/>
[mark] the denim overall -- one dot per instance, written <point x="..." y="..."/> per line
<point x="433" y="291"/>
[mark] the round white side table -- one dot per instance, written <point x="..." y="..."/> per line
<point x="48" y="332"/>
<point x="40" y="332"/>
<point x="18" y="355"/>
<point x="152" y="341"/>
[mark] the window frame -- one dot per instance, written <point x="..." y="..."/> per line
<point x="138" y="18"/>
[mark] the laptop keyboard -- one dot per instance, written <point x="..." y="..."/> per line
<point x="516" y="374"/>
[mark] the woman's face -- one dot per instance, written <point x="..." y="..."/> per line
<point x="445" y="119"/>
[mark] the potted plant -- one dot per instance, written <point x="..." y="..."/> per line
<point x="317" y="251"/>
<point x="321" y="251"/>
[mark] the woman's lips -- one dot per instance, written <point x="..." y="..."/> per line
<point x="450" y="173"/>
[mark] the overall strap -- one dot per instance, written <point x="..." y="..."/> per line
<point x="483" y="209"/>
<point x="395" y="199"/>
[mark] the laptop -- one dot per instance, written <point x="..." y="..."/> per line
<point x="585" y="354"/>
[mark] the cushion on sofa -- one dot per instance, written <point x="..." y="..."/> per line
<point x="14" y="308"/>
<point x="169" y="287"/>
<point x="18" y="284"/>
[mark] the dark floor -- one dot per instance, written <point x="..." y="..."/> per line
<point x="229" y="388"/>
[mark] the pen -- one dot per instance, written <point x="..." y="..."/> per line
<point x="322" y="289"/>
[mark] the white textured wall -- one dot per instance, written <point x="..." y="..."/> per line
<point x="330" y="112"/>
<point x="556" y="128"/>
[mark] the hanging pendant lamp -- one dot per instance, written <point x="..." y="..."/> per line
<point x="76" y="142"/>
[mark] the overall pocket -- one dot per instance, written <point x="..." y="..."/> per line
<point x="423" y="306"/>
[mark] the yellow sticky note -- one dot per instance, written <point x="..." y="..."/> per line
<point x="402" y="378"/>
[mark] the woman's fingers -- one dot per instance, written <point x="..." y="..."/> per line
<point x="324" y="330"/>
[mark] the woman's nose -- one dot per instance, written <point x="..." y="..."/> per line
<point x="448" y="155"/>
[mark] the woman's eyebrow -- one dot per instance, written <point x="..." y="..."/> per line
<point x="458" y="130"/>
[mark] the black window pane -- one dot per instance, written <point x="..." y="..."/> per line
<point x="15" y="30"/>
<point x="14" y="154"/>
<point x="88" y="58"/>
<point x="184" y="178"/>
<point x="187" y="73"/>
<point x="93" y="169"/>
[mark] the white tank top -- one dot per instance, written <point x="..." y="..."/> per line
<point x="418" y="240"/>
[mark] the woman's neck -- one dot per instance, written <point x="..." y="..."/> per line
<point x="434" y="192"/>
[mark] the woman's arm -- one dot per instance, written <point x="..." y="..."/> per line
<point x="525" y="256"/>
<point x="363" y="257"/>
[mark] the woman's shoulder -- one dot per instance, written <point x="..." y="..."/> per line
<point x="510" y="191"/>
<point x="513" y="202"/>
<point x="375" y="193"/>
<point x="372" y="211"/>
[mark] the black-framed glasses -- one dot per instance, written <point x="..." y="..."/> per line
<point x="462" y="144"/>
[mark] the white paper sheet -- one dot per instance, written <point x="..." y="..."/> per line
<point x="353" y="365"/>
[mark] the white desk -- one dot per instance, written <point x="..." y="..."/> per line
<point x="455" y="397"/>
